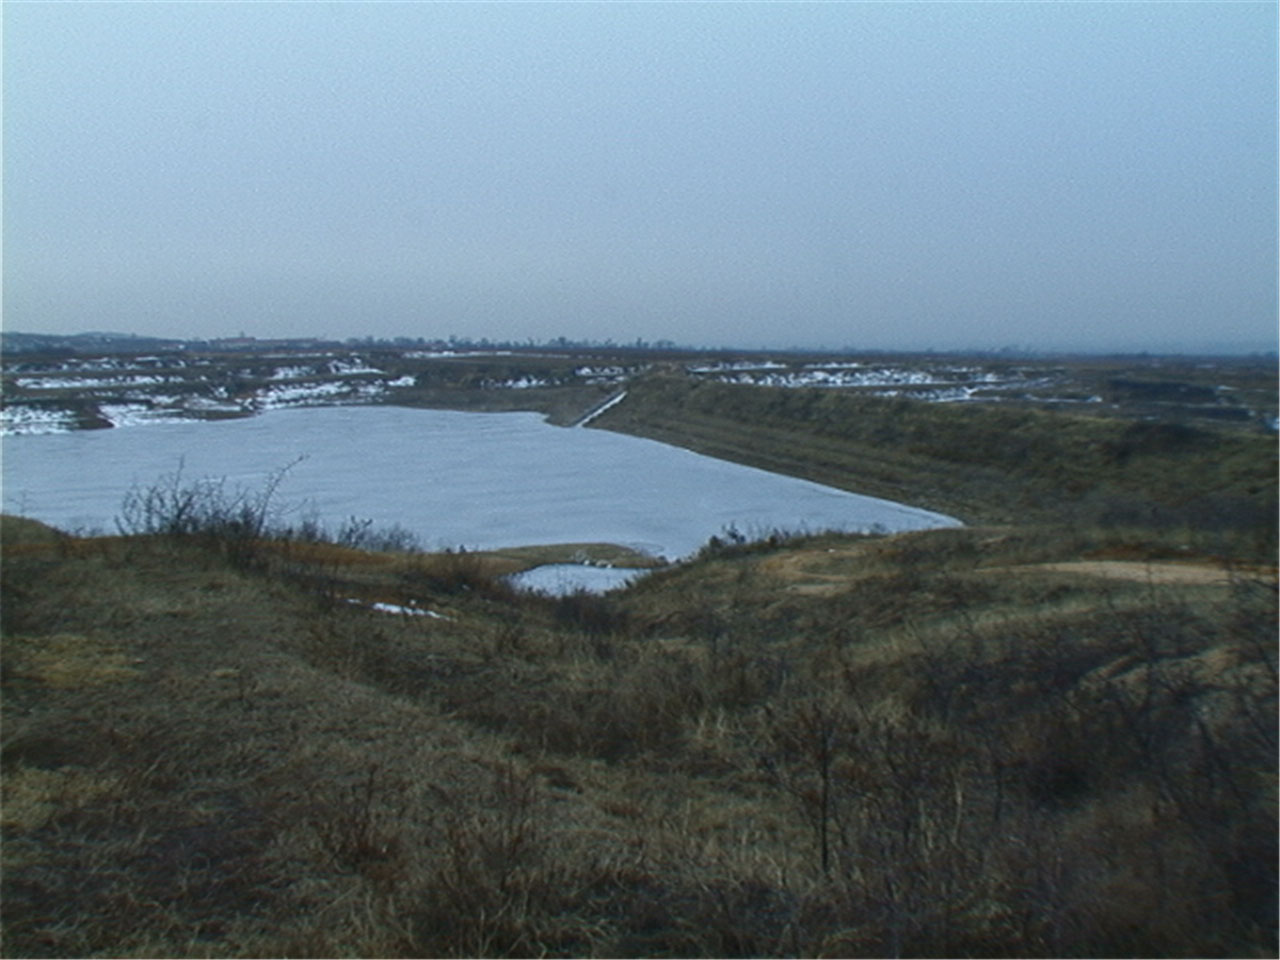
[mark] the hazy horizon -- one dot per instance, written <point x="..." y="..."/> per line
<point x="883" y="176"/>
<point x="1262" y="349"/>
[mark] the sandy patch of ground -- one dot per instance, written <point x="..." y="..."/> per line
<point x="818" y="572"/>
<point x="1188" y="573"/>
<point x="825" y="571"/>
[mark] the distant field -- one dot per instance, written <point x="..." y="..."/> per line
<point x="56" y="392"/>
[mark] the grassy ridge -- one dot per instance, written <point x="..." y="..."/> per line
<point x="928" y="744"/>
<point x="981" y="463"/>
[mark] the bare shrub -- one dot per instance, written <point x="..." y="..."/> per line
<point x="233" y="519"/>
<point x="456" y="571"/>
<point x="359" y="533"/>
<point x="589" y="612"/>
<point x="497" y="887"/>
<point x="358" y="828"/>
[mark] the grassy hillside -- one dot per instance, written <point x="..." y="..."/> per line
<point x="1051" y="733"/>
<point x="982" y="463"/>
<point x="990" y="741"/>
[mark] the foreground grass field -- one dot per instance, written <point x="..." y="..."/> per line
<point x="987" y="741"/>
<point x="1050" y="733"/>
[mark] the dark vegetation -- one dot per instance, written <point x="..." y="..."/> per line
<point x="1054" y="737"/>
<point x="983" y="463"/>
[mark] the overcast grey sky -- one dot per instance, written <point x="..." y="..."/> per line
<point x="885" y="175"/>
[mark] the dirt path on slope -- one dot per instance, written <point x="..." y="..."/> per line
<point x="1142" y="572"/>
<point x="819" y="572"/>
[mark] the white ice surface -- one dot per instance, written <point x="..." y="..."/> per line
<point x="292" y="373"/>
<point x="479" y="480"/>
<point x="521" y="383"/>
<point x="18" y="419"/>
<point x="136" y="414"/>
<point x="291" y="393"/>
<point x="85" y="383"/>
<point x="559" y="579"/>
<point x="607" y="405"/>
<point x="351" y="367"/>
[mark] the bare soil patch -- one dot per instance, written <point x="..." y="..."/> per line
<point x="1188" y="573"/>
<point x="818" y="572"/>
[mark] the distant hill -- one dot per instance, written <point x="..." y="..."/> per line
<point x="99" y="343"/>
<point x="96" y="342"/>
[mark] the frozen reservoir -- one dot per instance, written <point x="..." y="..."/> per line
<point x="474" y="480"/>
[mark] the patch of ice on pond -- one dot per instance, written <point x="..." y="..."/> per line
<point x="561" y="579"/>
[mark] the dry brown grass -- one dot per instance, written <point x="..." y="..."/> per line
<point x="922" y="758"/>
<point x="983" y="463"/>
